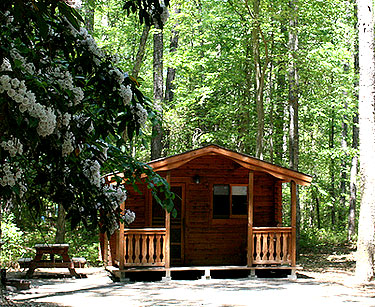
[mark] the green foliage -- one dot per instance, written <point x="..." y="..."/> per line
<point x="314" y="239"/>
<point x="13" y="242"/>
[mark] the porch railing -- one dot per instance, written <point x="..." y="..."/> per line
<point x="272" y="245"/>
<point x="144" y="247"/>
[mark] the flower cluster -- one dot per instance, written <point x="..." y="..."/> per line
<point x="119" y="76"/>
<point x="13" y="147"/>
<point x="116" y="196"/>
<point x="85" y="39"/>
<point x="67" y="146"/>
<point x="27" y="102"/>
<point x="91" y="169"/>
<point x="128" y="217"/>
<point x="126" y="94"/>
<point x="65" y="80"/>
<point x="11" y="178"/>
<point x="28" y="67"/>
<point x="140" y="112"/>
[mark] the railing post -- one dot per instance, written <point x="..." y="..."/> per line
<point x="250" y="213"/>
<point x="293" y="212"/>
<point x="120" y="242"/>
<point x="167" y="232"/>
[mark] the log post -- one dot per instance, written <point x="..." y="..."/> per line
<point x="105" y="249"/>
<point x="120" y="241"/>
<point x="293" y="212"/>
<point x="167" y="232"/>
<point x="250" y="217"/>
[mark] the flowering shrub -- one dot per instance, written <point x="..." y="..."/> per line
<point x="64" y="110"/>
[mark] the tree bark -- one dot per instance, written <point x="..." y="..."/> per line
<point x="353" y="181"/>
<point x="355" y="142"/>
<point x="259" y="81"/>
<point x="60" y="224"/>
<point x="293" y="104"/>
<point x="141" y="51"/>
<point x="366" y="230"/>
<point x="156" y="141"/>
<point x="171" y="71"/>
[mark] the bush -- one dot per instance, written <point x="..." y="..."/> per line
<point x="323" y="239"/>
<point x="12" y="247"/>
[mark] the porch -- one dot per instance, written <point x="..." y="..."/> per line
<point x="147" y="247"/>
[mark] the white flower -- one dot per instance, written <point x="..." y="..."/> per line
<point x="91" y="169"/>
<point x="67" y="146"/>
<point x="126" y="93"/>
<point x="140" y="112"/>
<point x="129" y="216"/>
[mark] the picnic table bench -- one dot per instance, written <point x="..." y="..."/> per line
<point x="52" y="250"/>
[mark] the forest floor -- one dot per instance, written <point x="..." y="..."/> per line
<point x="325" y="280"/>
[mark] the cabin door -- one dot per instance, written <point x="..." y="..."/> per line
<point x="177" y="228"/>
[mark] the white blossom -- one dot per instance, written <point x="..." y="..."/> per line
<point x="140" y="112"/>
<point x="91" y="169"/>
<point x="129" y="216"/>
<point x="13" y="146"/>
<point x="67" y="146"/>
<point x="126" y="93"/>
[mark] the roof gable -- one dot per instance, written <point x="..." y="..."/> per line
<point x="246" y="161"/>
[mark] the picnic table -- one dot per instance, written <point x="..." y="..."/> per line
<point x="45" y="257"/>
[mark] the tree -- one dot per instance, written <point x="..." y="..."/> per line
<point x="66" y="114"/>
<point x="366" y="229"/>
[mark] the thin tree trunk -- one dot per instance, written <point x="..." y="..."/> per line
<point x="293" y="103"/>
<point x="171" y="71"/>
<point x="332" y="168"/>
<point x="353" y="181"/>
<point x="366" y="230"/>
<point x="60" y="224"/>
<point x="259" y="81"/>
<point x="156" y="141"/>
<point x="317" y="205"/>
<point x="141" y="51"/>
<point x="355" y="142"/>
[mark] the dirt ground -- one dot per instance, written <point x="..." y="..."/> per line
<point x="326" y="280"/>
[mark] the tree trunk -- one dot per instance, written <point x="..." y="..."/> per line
<point x="332" y="168"/>
<point x="293" y="104"/>
<point x="156" y="142"/>
<point x="259" y="81"/>
<point x="171" y="71"/>
<point x="60" y="225"/>
<point x="355" y="142"/>
<point x="141" y="51"/>
<point x="366" y="229"/>
<point x="353" y="181"/>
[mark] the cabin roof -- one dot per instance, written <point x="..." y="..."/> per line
<point x="249" y="162"/>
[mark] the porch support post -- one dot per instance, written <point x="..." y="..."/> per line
<point x="167" y="232"/>
<point x="120" y="242"/>
<point x="250" y="216"/>
<point x="293" y="212"/>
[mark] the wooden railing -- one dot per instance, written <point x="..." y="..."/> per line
<point x="144" y="247"/>
<point x="272" y="245"/>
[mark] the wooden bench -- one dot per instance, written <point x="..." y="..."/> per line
<point x="79" y="262"/>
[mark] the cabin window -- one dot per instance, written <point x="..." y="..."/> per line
<point x="229" y="201"/>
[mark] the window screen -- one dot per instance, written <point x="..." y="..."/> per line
<point x="239" y="200"/>
<point x="221" y="201"/>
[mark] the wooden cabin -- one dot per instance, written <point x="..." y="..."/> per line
<point x="229" y="216"/>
